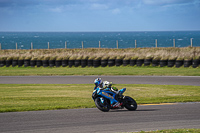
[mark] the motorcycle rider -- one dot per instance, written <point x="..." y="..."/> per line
<point x="108" y="86"/>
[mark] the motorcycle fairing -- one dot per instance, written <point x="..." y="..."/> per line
<point x="109" y="95"/>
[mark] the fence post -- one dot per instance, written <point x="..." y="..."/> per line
<point x="48" y="45"/>
<point x="65" y="44"/>
<point x="82" y="45"/>
<point x="117" y="43"/>
<point x="31" y="45"/>
<point x="191" y="42"/>
<point x="99" y="44"/>
<point x="156" y="43"/>
<point x="16" y="46"/>
<point x="174" y="42"/>
<point x="135" y="44"/>
<point x="0" y="46"/>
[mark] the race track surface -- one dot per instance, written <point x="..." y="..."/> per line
<point x="161" y="80"/>
<point x="89" y="120"/>
<point x="145" y="118"/>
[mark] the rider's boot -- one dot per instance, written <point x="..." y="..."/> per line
<point x="120" y="92"/>
<point x="119" y="97"/>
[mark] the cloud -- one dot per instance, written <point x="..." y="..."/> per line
<point x="97" y="6"/>
<point x="116" y="11"/>
<point x="31" y="3"/>
<point x="56" y="9"/>
<point x="93" y="4"/>
<point x="56" y="5"/>
<point x="18" y="3"/>
<point x="166" y="2"/>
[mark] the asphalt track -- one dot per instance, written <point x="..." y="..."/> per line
<point x="161" y="80"/>
<point x="145" y="118"/>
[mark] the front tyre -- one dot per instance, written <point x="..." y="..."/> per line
<point x="130" y="103"/>
<point x="102" y="104"/>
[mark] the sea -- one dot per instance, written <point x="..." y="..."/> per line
<point x="55" y="40"/>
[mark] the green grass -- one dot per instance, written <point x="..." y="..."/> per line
<point x="32" y="97"/>
<point x="173" y="131"/>
<point x="164" y="71"/>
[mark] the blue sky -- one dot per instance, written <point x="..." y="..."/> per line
<point x="99" y="15"/>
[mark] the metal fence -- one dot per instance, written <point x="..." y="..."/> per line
<point x="117" y="45"/>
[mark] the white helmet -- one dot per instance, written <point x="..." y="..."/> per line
<point x="107" y="84"/>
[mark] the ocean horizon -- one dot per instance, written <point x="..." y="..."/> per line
<point x="53" y="40"/>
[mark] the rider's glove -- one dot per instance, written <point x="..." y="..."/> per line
<point x="116" y="92"/>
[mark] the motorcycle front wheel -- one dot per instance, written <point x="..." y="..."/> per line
<point x="102" y="104"/>
<point x="130" y="103"/>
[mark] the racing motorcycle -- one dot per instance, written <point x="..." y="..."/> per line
<point x="106" y="100"/>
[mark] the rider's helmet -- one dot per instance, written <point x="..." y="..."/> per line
<point x="107" y="84"/>
<point x="98" y="82"/>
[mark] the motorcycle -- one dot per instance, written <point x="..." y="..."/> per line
<point x="106" y="100"/>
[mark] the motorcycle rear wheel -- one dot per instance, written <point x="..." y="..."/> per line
<point x="105" y="107"/>
<point x="130" y="103"/>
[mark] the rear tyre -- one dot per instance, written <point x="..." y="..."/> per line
<point x="105" y="107"/>
<point x="130" y="103"/>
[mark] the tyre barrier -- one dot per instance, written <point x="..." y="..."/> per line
<point x="171" y="63"/>
<point x="90" y="63"/>
<point x="111" y="62"/>
<point x="27" y="63"/>
<point x="163" y="63"/>
<point x="140" y="62"/>
<point x="195" y="63"/>
<point x="133" y="62"/>
<point x="71" y="63"/>
<point x="45" y="63"/>
<point x="33" y="63"/>
<point x="147" y="62"/>
<point x="8" y="63"/>
<point x="103" y="63"/>
<point x="20" y="63"/>
<point x="2" y="63"/>
<point x="96" y="63"/>
<point x="77" y="63"/>
<point x="14" y="63"/>
<point x="118" y="62"/>
<point x="65" y="63"/>
<point x="125" y="62"/>
<point x="58" y="63"/>
<point x="155" y="63"/>
<point x="84" y="63"/>
<point x="179" y="63"/>
<point x="39" y="63"/>
<point x="52" y="63"/>
<point x="187" y="63"/>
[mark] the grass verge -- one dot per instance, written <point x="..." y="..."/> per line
<point x="32" y="97"/>
<point x="164" y="71"/>
<point x="173" y="131"/>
